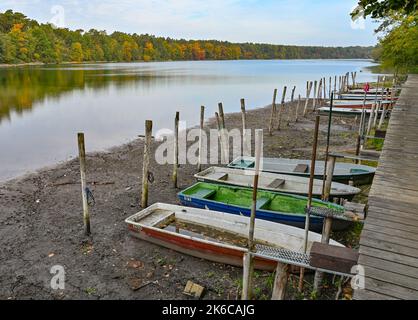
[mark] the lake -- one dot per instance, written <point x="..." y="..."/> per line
<point x="43" y="107"/>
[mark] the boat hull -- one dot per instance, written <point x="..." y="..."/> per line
<point x="207" y="251"/>
<point x="297" y="221"/>
<point x="291" y="184"/>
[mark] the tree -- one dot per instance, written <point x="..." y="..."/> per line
<point x="383" y="8"/>
<point x="77" y="52"/>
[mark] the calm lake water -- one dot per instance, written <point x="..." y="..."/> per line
<point x="43" y="108"/>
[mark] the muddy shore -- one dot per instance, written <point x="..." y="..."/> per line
<point x="41" y="223"/>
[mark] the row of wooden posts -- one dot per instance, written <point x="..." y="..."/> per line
<point x="320" y="93"/>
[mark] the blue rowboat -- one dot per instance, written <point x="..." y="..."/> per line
<point x="271" y="206"/>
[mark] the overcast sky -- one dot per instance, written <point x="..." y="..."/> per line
<point x="299" y="22"/>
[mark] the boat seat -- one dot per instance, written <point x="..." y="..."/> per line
<point x="276" y="183"/>
<point x="204" y="193"/>
<point x="262" y="202"/>
<point x="219" y="176"/>
<point x="301" y="168"/>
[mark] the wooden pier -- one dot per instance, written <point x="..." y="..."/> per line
<point x="389" y="242"/>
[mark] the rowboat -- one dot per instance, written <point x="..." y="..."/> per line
<point x="344" y="172"/>
<point x="349" y="96"/>
<point x="271" y="206"/>
<point x="372" y="91"/>
<point x="273" y="182"/>
<point x="357" y="104"/>
<point x="348" y="111"/>
<point x="215" y="236"/>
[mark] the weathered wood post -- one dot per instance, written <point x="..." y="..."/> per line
<point x="383" y="116"/>
<point x="315" y="95"/>
<point x="292" y="97"/>
<point x="280" y="281"/>
<point x="176" y="150"/>
<point x="325" y="88"/>
<point x="82" y="156"/>
<point x="308" y="96"/>
<point x="248" y="259"/>
<point x="319" y="93"/>
<point x="297" y="109"/>
<point x="273" y="112"/>
<point x="282" y="106"/>
<point x="369" y="127"/>
<point x="145" y="164"/>
<point x="222" y="115"/>
<point x="245" y="142"/>
<point x="202" y="124"/>
<point x="310" y="196"/>
<point x="376" y="115"/>
<point x="326" y="229"/>
<point x="330" y="87"/>
<point x="335" y="84"/>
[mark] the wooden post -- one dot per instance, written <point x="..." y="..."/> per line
<point x="369" y="127"/>
<point x="282" y="106"/>
<point x="311" y="185"/>
<point x="222" y="115"/>
<point x="297" y="109"/>
<point x="202" y="123"/>
<point x="176" y="150"/>
<point x="376" y="115"/>
<point x="280" y="281"/>
<point x="249" y="265"/>
<point x="145" y="165"/>
<point x="335" y="84"/>
<point x="326" y="230"/>
<point x="315" y="93"/>
<point x="308" y="95"/>
<point x="325" y="88"/>
<point x="82" y="156"/>
<point x="330" y="87"/>
<point x="273" y="112"/>
<point x="244" y="128"/>
<point x="382" y="117"/>
<point x="292" y="98"/>
<point x="247" y="277"/>
<point x="319" y="93"/>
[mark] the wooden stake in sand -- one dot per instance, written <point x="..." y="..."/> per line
<point x="273" y="112"/>
<point x="308" y="96"/>
<point x="315" y="95"/>
<point x="297" y="109"/>
<point x="281" y="109"/>
<point x="245" y="147"/>
<point x="202" y="123"/>
<point x="82" y="156"/>
<point x="222" y="115"/>
<point x="311" y="185"/>
<point x="292" y="99"/>
<point x="176" y="150"/>
<point x="248" y="258"/>
<point x="145" y="165"/>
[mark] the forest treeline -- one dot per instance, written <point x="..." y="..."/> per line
<point x="23" y="40"/>
<point x="398" y="46"/>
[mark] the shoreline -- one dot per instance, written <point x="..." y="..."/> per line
<point x="43" y="226"/>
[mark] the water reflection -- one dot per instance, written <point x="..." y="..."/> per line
<point x="42" y="108"/>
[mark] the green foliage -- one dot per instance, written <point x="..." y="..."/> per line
<point x="382" y="8"/>
<point x="24" y="40"/>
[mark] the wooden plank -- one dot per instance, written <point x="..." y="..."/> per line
<point x="393" y="225"/>
<point x="390" y="289"/>
<point x="386" y="255"/>
<point x="392" y="239"/>
<point x="391" y="277"/>
<point x="301" y="168"/>
<point x="370" y="295"/>
<point x="388" y="266"/>
<point x="390" y="232"/>
<point x="388" y="246"/>
<point x="328" y="257"/>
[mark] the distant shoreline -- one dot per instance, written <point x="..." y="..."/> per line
<point x="29" y="64"/>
